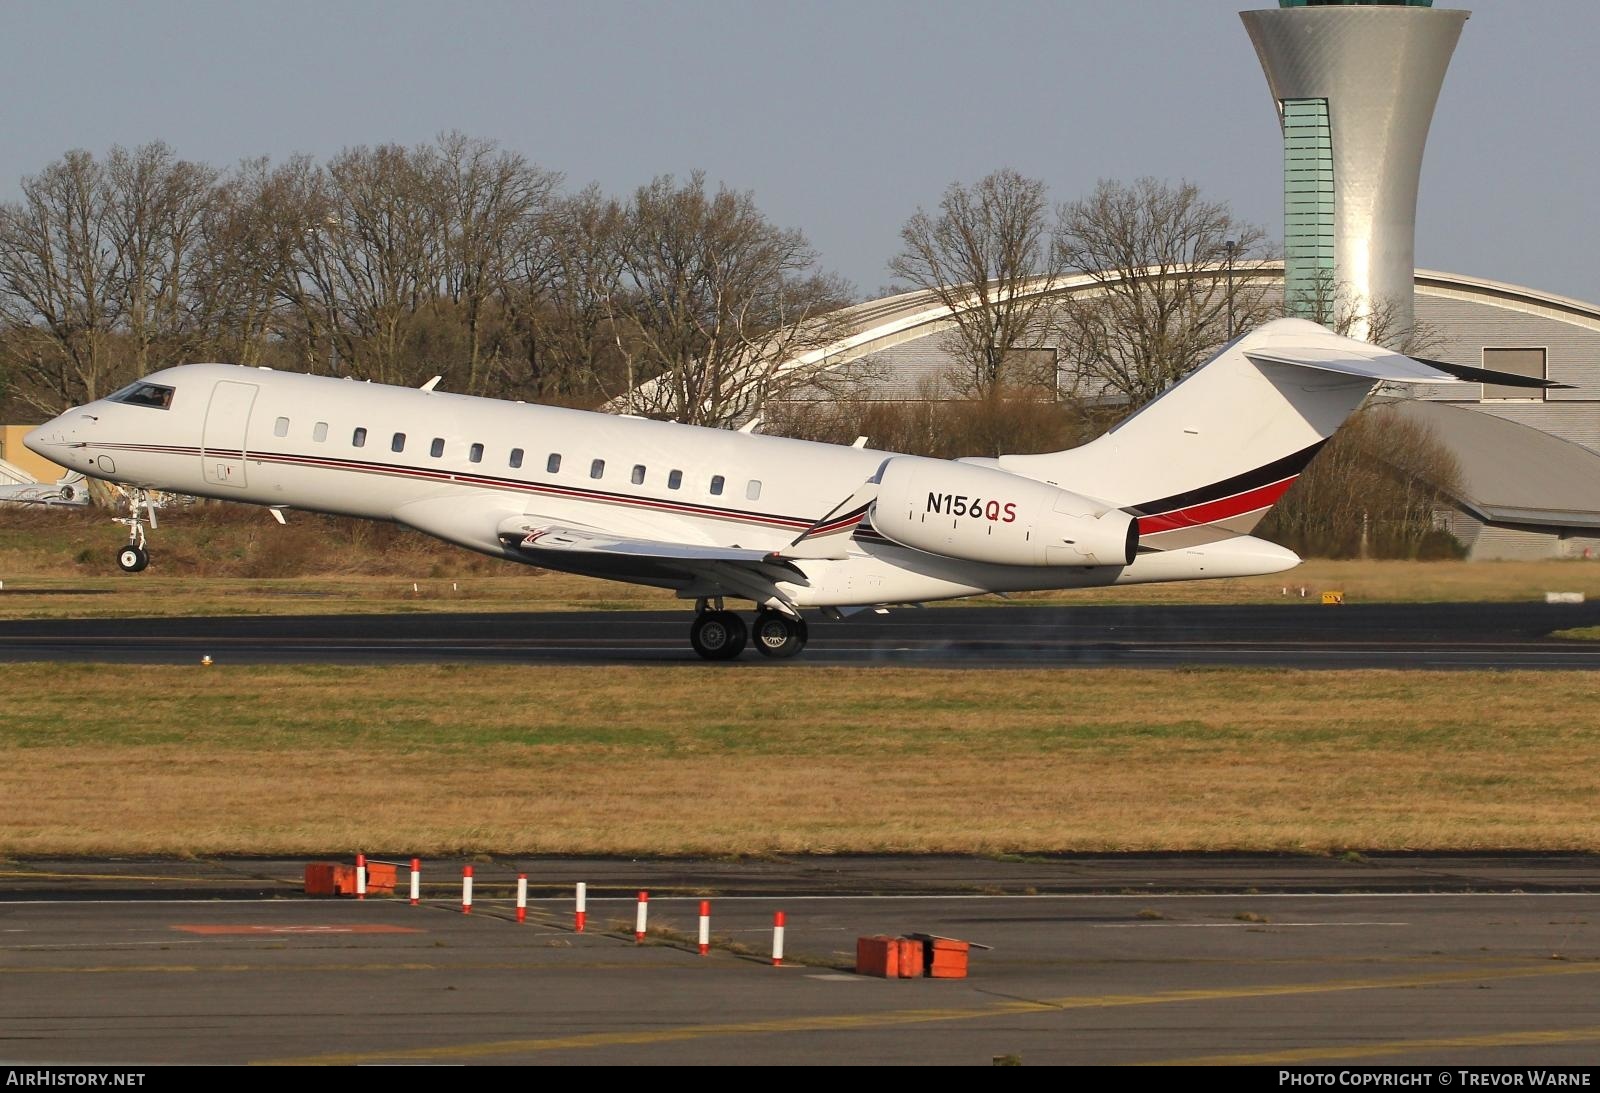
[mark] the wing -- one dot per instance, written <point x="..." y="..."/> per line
<point x="692" y="568"/>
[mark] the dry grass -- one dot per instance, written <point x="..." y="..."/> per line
<point x="226" y="559"/>
<point x="750" y="758"/>
<point x="146" y="596"/>
<point x="753" y="759"/>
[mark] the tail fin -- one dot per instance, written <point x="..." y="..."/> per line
<point x="1209" y="457"/>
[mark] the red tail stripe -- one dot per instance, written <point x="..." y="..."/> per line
<point x="1216" y="511"/>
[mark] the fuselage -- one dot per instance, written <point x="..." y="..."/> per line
<point x="458" y="467"/>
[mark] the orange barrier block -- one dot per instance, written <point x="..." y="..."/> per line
<point x="319" y="879"/>
<point x="322" y="879"/>
<point x="889" y="957"/>
<point x="878" y="956"/>
<point x="911" y="958"/>
<point x="946" y="957"/>
<point x="332" y="879"/>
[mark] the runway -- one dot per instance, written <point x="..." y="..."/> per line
<point x="1290" y="635"/>
<point x="1269" y="961"/>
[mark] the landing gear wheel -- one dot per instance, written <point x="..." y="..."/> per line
<point x="718" y="635"/>
<point x="778" y="635"/>
<point x="132" y="558"/>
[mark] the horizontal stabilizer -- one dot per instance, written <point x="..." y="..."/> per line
<point x="1376" y="365"/>
<point x="1488" y="375"/>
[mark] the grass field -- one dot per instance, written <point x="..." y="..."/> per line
<point x="751" y="760"/>
<point x="744" y="759"/>
<point x="236" y="560"/>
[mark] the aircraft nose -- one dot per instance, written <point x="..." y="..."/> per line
<point x="55" y="440"/>
<point x="39" y="441"/>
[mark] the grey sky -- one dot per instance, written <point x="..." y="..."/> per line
<point x="841" y="117"/>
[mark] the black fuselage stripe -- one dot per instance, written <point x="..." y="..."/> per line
<point x="473" y="479"/>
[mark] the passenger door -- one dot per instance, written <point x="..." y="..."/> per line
<point x="223" y="439"/>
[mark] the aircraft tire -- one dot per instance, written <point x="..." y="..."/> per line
<point x="132" y="559"/>
<point x="778" y="635"/>
<point x="718" y="635"/>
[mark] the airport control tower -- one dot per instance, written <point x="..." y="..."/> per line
<point x="1355" y="83"/>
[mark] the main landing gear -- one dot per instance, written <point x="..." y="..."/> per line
<point x="717" y="634"/>
<point x="134" y="557"/>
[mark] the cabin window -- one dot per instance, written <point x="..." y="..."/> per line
<point x="437" y="449"/>
<point x="553" y="464"/>
<point x="674" y="479"/>
<point x="638" y="474"/>
<point x="475" y="453"/>
<point x="752" y="490"/>
<point x="398" y="444"/>
<point x="597" y="469"/>
<point x="319" y="431"/>
<point x="358" y="438"/>
<point x="144" y="394"/>
<point x="280" y="427"/>
<point x="516" y="457"/>
<point x="716" y="484"/>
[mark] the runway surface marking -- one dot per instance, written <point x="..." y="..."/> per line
<point x="1535" y="1038"/>
<point x="560" y="904"/>
<point x="281" y="969"/>
<point x="924" y="1016"/>
<point x="213" y="930"/>
<point x="1226" y="925"/>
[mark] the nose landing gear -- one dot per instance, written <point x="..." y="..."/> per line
<point x="134" y="557"/>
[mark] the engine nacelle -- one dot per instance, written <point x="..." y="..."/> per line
<point x="980" y="514"/>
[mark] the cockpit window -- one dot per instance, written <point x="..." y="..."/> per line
<point x="144" y="394"/>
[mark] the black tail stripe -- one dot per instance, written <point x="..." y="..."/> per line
<point x="1276" y="471"/>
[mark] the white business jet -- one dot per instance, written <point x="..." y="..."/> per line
<point x="1170" y="494"/>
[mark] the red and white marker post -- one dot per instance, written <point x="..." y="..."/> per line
<point x="522" y="897"/>
<point x="361" y="876"/>
<point x="416" y="881"/>
<point x="466" y="889"/>
<point x="705" y="927"/>
<point x="582" y="912"/>
<point x="641" y="918"/>
<point x="777" y="939"/>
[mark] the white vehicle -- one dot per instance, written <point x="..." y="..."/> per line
<point x="1170" y="494"/>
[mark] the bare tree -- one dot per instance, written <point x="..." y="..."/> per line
<point x="1389" y="323"/>
<point x="987" y="256"/>
<point x="158" y="208"/>
<point x="490" y="201"/>
<point x="718" y="303"/>
<point x="1372" y="491"/>
<point x="568" y="269"/>
<point x="99" y="265"/>
<point x="1168" y="268"/>
<point x="59" y="263"/>
<point x="236" y="299"/>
